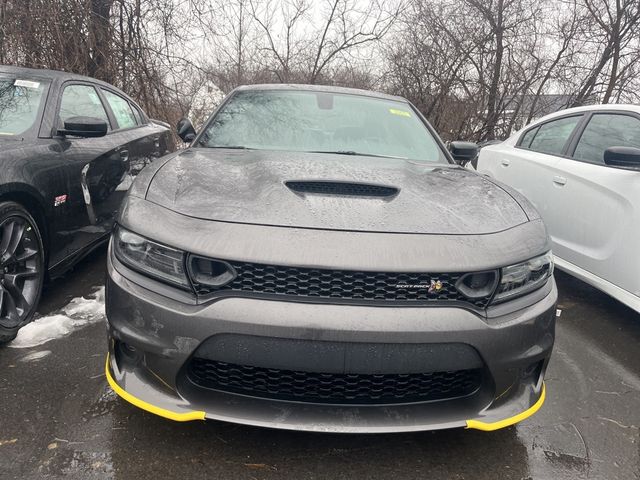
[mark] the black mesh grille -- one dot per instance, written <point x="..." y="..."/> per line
<point x="342" y="285"/>
<point x="343" y="188"/>
<point x="333" y="387"/>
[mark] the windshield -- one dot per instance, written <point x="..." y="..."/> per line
<point x="20" y="101"/>
<point x="321" y="122"/>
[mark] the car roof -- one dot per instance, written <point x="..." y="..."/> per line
<point x="607" y="107"/>
<point x="628" y="107"/>
<point x="57" y="75"/>
<point x="321" y="88"/>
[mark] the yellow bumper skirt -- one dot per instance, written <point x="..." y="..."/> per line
<point x="488" y="427"/>
<point x="198" y="415"/>
<point x="178" y="417"/>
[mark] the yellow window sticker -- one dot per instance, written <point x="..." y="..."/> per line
<point x="402" y="113"/>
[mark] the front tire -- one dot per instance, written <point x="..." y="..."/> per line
<point x="21" y="269"/>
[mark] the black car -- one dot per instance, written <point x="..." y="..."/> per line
<point x="69" y="148"/>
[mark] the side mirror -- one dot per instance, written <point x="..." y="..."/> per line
<point x="87" y="127"/>
<point x="625" y="157"/>
<point x="186" y="131"/>
<point x="463" y="152"/>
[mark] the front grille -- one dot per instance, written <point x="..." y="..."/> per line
<point x="342" y="188"/>
<point x="337" y="388"/>
<point x="340" y="285"/>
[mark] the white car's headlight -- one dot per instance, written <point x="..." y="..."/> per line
<point x="150" y="258"/>
<point x="523" y="278"/>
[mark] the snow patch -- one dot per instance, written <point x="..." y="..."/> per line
<point x="77" y="314"/>
<point x="35" y="356"/>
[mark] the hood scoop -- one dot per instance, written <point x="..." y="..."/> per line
<point x="349" y="189"/>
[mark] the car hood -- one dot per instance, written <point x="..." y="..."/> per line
<point x="9" y="143"/>
<point x="248" y="186"/>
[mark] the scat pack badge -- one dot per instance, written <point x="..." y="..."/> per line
<point x="433" y="287"/>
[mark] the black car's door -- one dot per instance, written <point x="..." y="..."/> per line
<point x="84" y="159"/>
<point x="100" y="170"/>
<point x="96" y="168"/>
<point x="143" y="137"/>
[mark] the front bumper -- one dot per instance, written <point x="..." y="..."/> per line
<point x="514" y="348"/>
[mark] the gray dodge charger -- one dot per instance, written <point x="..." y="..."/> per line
<point x="317" y="260"/>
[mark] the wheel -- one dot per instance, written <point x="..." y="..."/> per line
<point x="21" y="268"/>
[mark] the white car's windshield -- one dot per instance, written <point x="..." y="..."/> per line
<point x="20" y="101"/>
<point x="312" y="121"/>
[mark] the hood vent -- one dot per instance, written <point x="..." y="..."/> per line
<point x="342" y="189"/>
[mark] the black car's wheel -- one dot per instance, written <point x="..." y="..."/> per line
<point x="21" y="268"/>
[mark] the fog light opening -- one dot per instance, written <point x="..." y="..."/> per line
<point x="534" y="372"/>
<point x="477" y="284"/>
<point x="210" y="272"/>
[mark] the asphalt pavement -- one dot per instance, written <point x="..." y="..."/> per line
<point x="58" y="417"/>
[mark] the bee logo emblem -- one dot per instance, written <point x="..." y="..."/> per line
<point x="435" y="286"/>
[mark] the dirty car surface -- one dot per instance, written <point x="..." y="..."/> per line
<point x="315" y="261"/>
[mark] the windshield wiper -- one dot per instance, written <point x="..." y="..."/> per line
<point x="233" y="147"/>
<point x="353" y="152"/>
<point x="337" y="152"/>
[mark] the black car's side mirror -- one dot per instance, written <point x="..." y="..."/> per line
<point x="625" y="157"/>
<point x="463" y="152"/>
<point x="186" y="131"/>
<point x="88" y="127"/>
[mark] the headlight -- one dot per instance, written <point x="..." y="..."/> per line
<point x="150" y="258"/>
<point x="520" y="279"/>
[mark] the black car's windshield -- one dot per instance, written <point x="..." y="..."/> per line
<point x="312" y="121"/>
<point x="20" y="101"/>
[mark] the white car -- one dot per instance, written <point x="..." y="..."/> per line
<point x="581" y="169"/>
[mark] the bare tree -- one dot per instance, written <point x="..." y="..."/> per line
<point x="285" y="52"/>
<point x="610" y="26"/>
<point x="477" y="68"/>
<point x="99" y="39"/>
<point x="345" y="27"/>
<point x="474" y="57"/>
